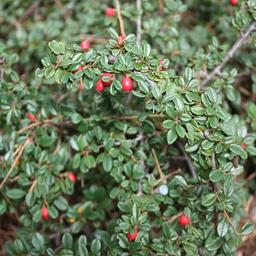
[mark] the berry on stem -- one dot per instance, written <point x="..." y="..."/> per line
<point x="233" y="2"/>
<point x="99" y="86"/>
<point x="132" y="236"/>
<point x="184" y="220"/>
<point x="109" y="76"/>
<point x="85" y="45"/>
<point x="31" y="117"/>
<point x="127" y="83"/>
<point x="44" y="213"/>
<point x="110" y="12"/>
<point x="72" y="177"/>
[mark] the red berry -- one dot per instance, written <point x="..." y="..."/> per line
<point x="120" y="39"/>
<point x="184" y="220"/>
<point x="161" y="62"/>
<point x="110" y="12"/>
<point x="81" y="68"/>
<point x="127" y="83"/>
<point x="132" y="236"/>
<point x="31" y="117"/>
<point x="99" y="86"/>
<point x="85" y="45"/>
<point x="44" y="213"/>
<point x="72" y="177"/>
<point x="107" y="75"/>
<point x="233" y="2"/>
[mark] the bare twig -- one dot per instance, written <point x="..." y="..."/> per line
<point x="28" y="140"/>
<point x="158" y="165"/>
<point x="30" y="10"/>
<point x="231" y="223"/>
<point x="174" y="217"/>
<point x="120" y="19"/>
<point x="138" y="21"/>
<point x="238" y="44"/>
<point x="161" y="6"/>
<point x="33" y="186"/>
<point x="166" y="177"/>
<point x="190" y="165"/>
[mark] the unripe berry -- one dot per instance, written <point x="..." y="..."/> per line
<point x="110" y="12"/>
<point x="72" y="177"/>
<point x="85" y="45"/>
<point x="44" y="213"/>
<point x="31" y="117"/>
<point x="120" y="39"/>
<point x="184" y="220"/>
<point x="107" y="75"/>
<point x="233" y="2"/>
<point x="127" y="83"/>
<point x="99" y="86"/>
<point x="71" y="220"/>
<point x="132" y="236"/>
<point x="243" y="145"/>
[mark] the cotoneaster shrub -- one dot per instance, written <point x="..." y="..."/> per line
<point x="120" y="142"/>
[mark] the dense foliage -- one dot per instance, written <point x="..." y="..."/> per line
<point x="134" y="142"/>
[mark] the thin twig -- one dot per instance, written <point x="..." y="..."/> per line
<point x="190" y="165"/>
<point x="166" y="177"/>
<point x="238" y="44"/>
<point x="138" y="22"/>
<point x="161" y="6"/>
<point x="30" y="10"/>
<point x="231" y="223"/>
<point x="28" y="140"/>
<point x="120" y="19"/>
<point x="158" y="165"/>
<point x="33" y="186"/>
<point x="174" y="217"/>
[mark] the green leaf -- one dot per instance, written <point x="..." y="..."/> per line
<point x="15" y="193"/>
<point x="168" y="124"/>
<point x="90" y="162"/>
<point x="247" y="228"/>
<point x="82" y="242"/>
<point x="38" y="242"/>
<point x="216" y="176"/>
<point x="56" y="47"/>
<point x="171" y="136"/>
<point x="30" y="199"/>
<point x="222" y="228"/>
<point x="113" y="33"/>
<point x="61" y="203"/>
<point x="209" y="199"/>
<point x="95" y="246"/>
<point x="238" y="150"/>
<point x="67" y="241"/>
<point x="146" y="50"/>
<point x="107" y="163"/>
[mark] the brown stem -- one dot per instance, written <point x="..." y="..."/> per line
<point x="15" y="162"/>
<point x="120" y="19"/>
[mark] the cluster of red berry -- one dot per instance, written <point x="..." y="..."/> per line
<point x="102" y="84"/>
